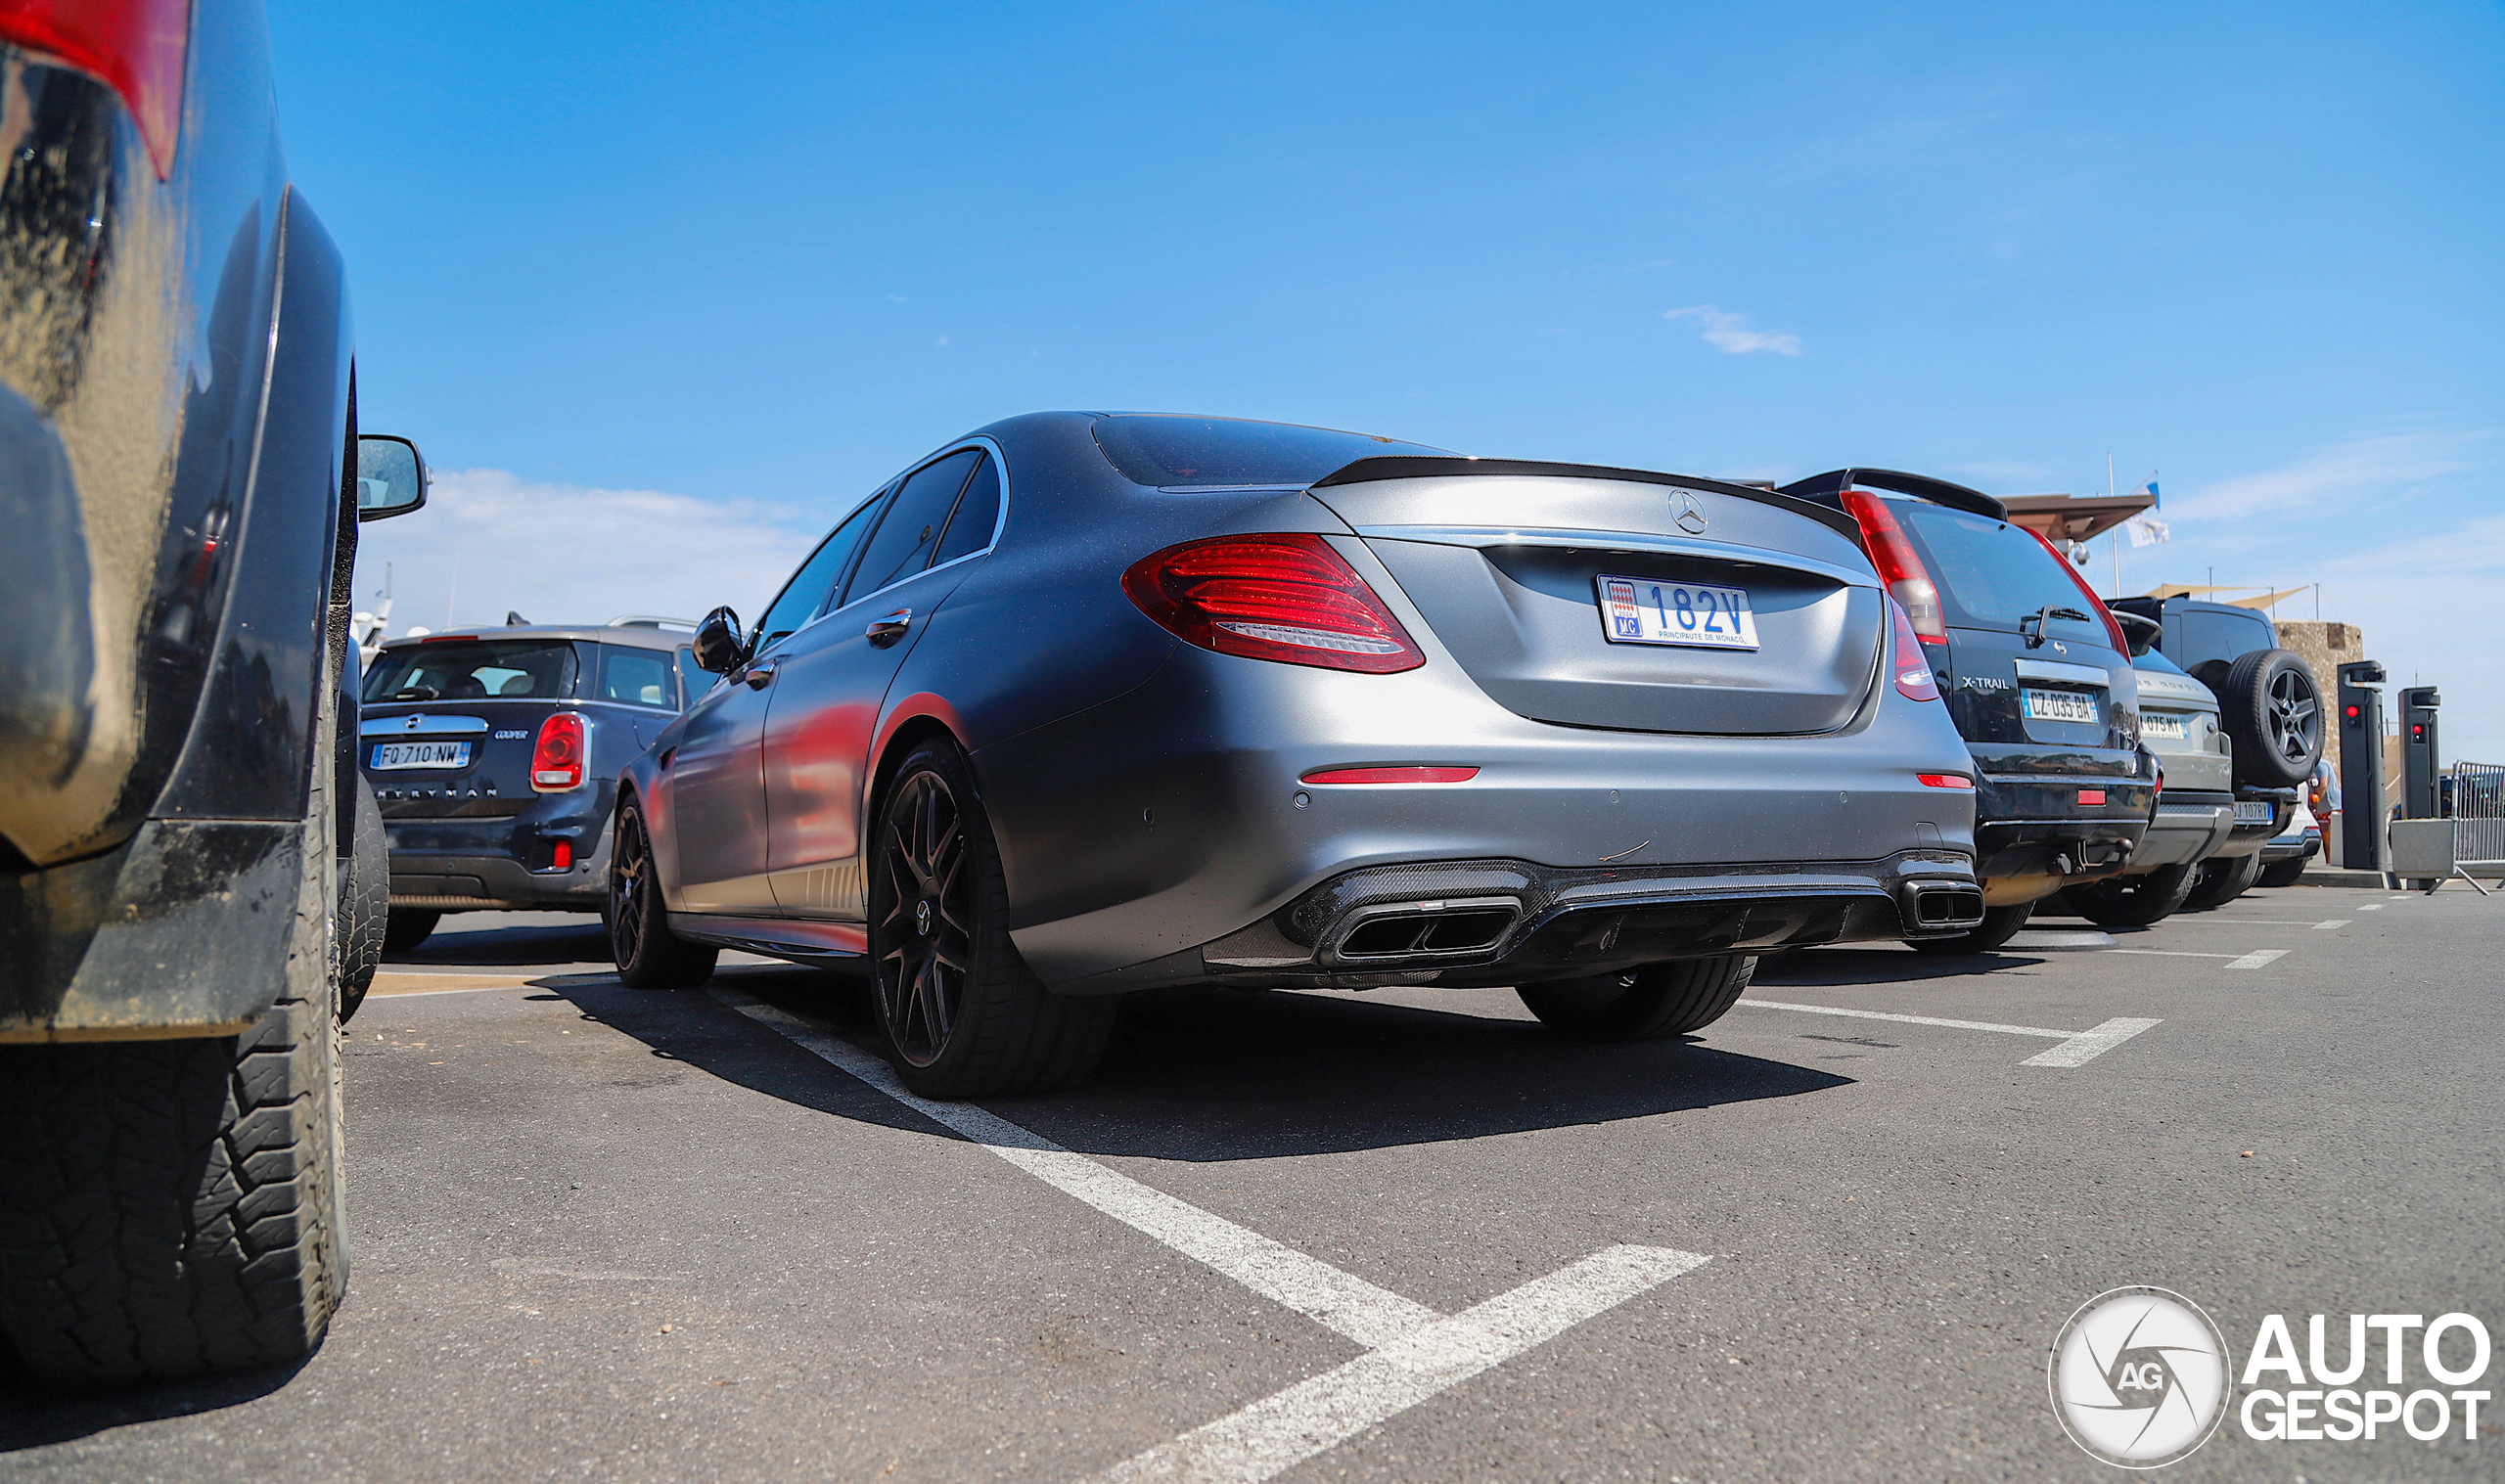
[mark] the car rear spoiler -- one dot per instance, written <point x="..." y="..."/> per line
<point x="1422" y="467"/>
<point x="1835" y="481"/>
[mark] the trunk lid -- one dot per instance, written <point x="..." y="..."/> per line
<point x="449" y="724"/>
<point x="1511" y="564"/>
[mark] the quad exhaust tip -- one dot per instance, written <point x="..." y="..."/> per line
<point x="1404" y="931"/>
<point x="1941" y="908"/>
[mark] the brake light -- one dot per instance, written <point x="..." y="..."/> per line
<point x="1892" y="552"/>
<point x="1287" y="596"/>
<point x="1944" y="779"/>
<point x="1914" y="680"/>
<point x="2091" y="798"/>
<point x="557" y="758"/>
<point x="2095" y="605"/>
<point x="135" y="47"/>
<point x="1390" y="776"/>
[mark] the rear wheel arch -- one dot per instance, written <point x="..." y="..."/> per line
<point x="899" y="745"/>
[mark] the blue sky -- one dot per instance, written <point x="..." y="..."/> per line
<point x="659" y="286"/>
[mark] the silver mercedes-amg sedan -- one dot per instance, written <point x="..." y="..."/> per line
<point x="1085" y="704"/>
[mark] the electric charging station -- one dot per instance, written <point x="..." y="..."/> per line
<point x="2363" y="844"/>
<point x="2418" y="772"/>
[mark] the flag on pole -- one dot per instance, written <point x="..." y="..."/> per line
<point x="2147" y="531"/>
<point x="2150" y="489"/>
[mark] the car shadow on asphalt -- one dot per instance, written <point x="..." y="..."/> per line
<point x="1824" y="967"/>
<point x="41" y="1416"/>
<point x="568" y="938"/>
<point x="1219" y="1074"/>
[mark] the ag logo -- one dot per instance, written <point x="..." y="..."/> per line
<point x="1688" y="511"/>
<point x="2139" y="1377"/>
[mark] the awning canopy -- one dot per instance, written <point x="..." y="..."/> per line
<point x="2075" y="518"/>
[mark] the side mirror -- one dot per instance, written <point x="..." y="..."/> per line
<point x="719" y="645"/>
<point x="390" y="478"/>
<point x="2138" y="630"/>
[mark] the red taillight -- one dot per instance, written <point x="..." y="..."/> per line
<point x="2095" y="605"/>
<point x="1914" y="680"/>
<point x="563" y="857"/>
<point x="1944" y="779"/>
<point x="2091" y="798"/>
<point x="1390" y="776"/>
<point x="135" y="46"/>
<point x="1892" y="553"/>
<point x="1285" y="597"/>
<point x="557" y="758"/>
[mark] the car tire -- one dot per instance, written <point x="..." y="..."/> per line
<point x="406" y="929"/>
<point x="2222" y="881"/>
<point x="1998" y="926"/>
<point x="2272" y="709"/>
<point x="172" y="1208"/>
<point x="962" y="1014"/>
<point x="2134" y="901"/>
<point x="2284" y="873"/>
<point x="648" y="954"/>
<point x="1647" y="1003"/>
<point x="365" y="904"/>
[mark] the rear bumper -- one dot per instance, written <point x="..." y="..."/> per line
<point x="2188" y="828"/>
<point x="1495" y="922"/>
<point x="472" y="865"/>
<point x="2031" y="831"/>
<point x="2249" y="838"/>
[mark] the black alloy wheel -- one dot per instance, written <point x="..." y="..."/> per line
<point x="648" y="954"/>
<point x="961" y="1014"/>
<point x="2272" y="710"/>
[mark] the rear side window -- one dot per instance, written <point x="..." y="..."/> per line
<point x="1991" y="573"/>
<point x="807" y="593"/>
<point x="978" y="511"/>
<point x="910" y="532"/>
<point x="635" y="677"/>
<point x="1187" y="452"/>
<point x="2195" y="637"/>
<point x="474" y="670"/>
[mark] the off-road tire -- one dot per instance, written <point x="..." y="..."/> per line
<point x="365" y="904"/>
<point x="2143" y="900"/>
<point x="2222" y="881"/>
<point x="2284" y="873"/>
<point x="649" y="955"/>
<point x="405" y="927"/>
<point x="998" y="1030"/>
<point x="2272" y="707"/>
<point x="1647" y="1003"/>
<point x="1998" y="926"/>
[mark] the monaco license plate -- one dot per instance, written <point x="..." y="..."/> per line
<point x="420" y="754"/>
<point x="2060" y="705"/>
<point x="2253" y="811"/>
<point x="2163" y="725"/>
<point x="1647" y="610"/>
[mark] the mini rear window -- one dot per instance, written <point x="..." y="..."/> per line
<point x="1991" y="573"/>
<point x="474" y="670"/>
<point x="1173" y="452"/>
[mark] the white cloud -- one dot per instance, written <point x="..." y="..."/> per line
<point x="1730" y="332"/>
<point x="489" y="542"/>
<point x="2370" y="470"/>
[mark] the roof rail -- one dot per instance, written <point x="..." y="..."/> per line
<point x="650" y="622"/>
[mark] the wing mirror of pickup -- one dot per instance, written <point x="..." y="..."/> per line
<point x="720" y="648"/>
<point x="391" y="477"/>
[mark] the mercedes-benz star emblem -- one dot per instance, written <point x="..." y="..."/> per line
<point x="922" y="917"/>
<point x="1688" y="512"/>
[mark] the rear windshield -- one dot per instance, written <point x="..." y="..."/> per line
<point x="474" y="670"/>
<point x="636" y="677"/>
<point x="1993" y="573"/>
<point x="2197" y="636"/>
<point x="1174" y="451"/>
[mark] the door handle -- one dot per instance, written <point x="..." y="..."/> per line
<point x="759" y="676"/>
<point x="883" y="632"/>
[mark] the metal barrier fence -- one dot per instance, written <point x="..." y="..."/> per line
<point x="2476" y="799"/>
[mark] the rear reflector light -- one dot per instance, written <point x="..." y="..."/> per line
<point x="2095" y="605"/>
<point x="563" y="857"/>
<point x="557" y="758"/>
<point x="1287" y="596"/>
<point x="1390" y="776"/>
<point x="2091" y="798"/>
<point x="1945" y="779"/>
<point x="1892" y="552"/>
<point x="1914" y="680"/>
<point x="135" y="47"/>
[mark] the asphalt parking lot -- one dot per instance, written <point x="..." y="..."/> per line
<point x="604" y="1234"/>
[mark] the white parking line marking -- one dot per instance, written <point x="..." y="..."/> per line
<point x="2372" y="907"/>
<point x="2259" y="958"/>
<point x="1280" y="1431"/>
<point x="2255" y="922"/>
<point x="2172" y="952"/>
<point x="2077" y="1047"/>
<point x="2333" y="922"/>
<point x="1413" y="1352"/>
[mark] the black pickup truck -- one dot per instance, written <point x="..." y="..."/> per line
<point x="181" y="828"/>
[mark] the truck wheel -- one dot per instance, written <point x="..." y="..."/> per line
<point x="2272" y="710"/>
<point x="406" y="930"/>
<point x="1647" y="1003"/>
<point x="169" y="1208"/>
<point x="1998" y="926"/>
<point x="2134" y="901"/>
<point x="648" y="954"/>
<point x="2284" y="873"/>
<point x="2222" y="881"/>
<point x="963" y="1015"/>
<point x="365" y="904"/>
